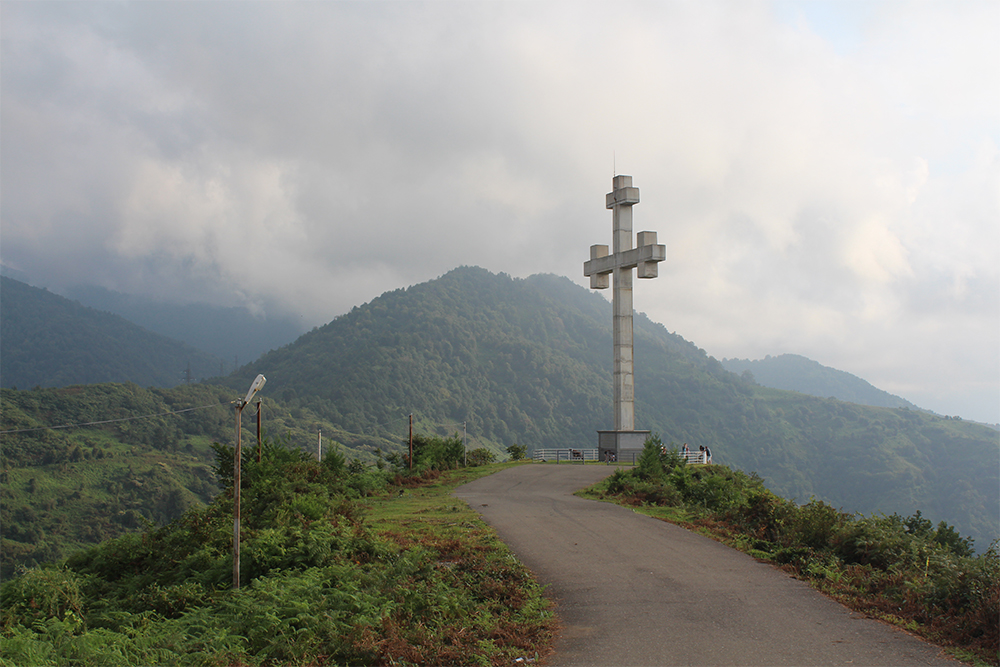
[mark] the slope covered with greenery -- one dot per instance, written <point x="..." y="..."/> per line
<point x="797" y="373"/>
<point x="50" y="341"/>
<point x="903" y="570"/>
<point x="529" y="362"/>
<point x="145" y="457"/>
<point x="423" y="581"/>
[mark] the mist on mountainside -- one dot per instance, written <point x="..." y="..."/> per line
<point x="50" y="341"/>
<point x="234" y="335"/>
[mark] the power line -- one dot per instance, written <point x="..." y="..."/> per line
<point x="112" y="421"/>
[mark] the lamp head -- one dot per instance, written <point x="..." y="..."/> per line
<point x="255" y="387"/>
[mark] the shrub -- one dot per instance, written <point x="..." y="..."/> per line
<point x="480" y="457"/>
<point x="764" y="516"/>
<point x="618" y="482"/>
<point x="517" y="452"/>
<point x="716" y="493"/>
<point x="335" y="461"/>
<point x="650" y="464"/>
<point x="39" y="594"/>
<point x="818" y="525"/>
<point x="437" y="453"/>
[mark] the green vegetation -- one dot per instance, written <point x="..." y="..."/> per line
<point x="517" y="452"/>
<point x="64" y="489"/>
<point x="422" y="581"/>
<point x="68" y="488"/>
<point x="529" y="361"/>
<point x="899" y="569"/>
<point x="50" y="341"/>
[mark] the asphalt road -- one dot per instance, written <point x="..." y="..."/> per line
<point x="632" y="590"/>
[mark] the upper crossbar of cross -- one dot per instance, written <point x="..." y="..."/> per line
<point x="643" y="257"/>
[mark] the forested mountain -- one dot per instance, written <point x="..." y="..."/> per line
<point x="514" y="361"/>
<point x="798" y="373"/>
<point x="50" y="341"/>
<point x="529" y="361"/>
<point x="227" y="333"/>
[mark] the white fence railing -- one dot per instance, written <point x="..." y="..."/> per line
<point x="569" y="455"/>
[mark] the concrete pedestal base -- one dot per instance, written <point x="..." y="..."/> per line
<point x="624" y="445"/>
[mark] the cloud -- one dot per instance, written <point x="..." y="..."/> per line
<point x="825" y="176"/>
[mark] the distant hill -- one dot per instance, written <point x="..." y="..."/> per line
<point x="798" y="373"/>
<point x="529" y="362"/>
<point x="49" y="341"/>
<point x="228" y="333"/>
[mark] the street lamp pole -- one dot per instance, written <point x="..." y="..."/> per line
<point x="237" y="461"/>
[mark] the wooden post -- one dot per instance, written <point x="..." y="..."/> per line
<point x="411" y="441"/>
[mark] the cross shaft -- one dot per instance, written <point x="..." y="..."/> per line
<point x="619" y="264"/>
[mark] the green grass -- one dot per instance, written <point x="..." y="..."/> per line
<point x="429" y="505"/>
<point x="513" y="618"/>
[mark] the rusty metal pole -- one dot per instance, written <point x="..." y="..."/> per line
<point x="237" y="482"/>
<point x="258" y="430"/>
<point x="237" y="459"/>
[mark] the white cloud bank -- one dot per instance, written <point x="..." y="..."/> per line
<point x="826" y="176"/>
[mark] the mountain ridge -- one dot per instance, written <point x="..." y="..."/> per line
<point x="529" y="361"/>
<point x="795" y="372"/>
<point x="49" y="341"/>
<point x="225" y="332"/>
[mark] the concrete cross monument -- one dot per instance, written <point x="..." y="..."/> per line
<point x="624" y="440"/>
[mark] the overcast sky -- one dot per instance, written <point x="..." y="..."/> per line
<point x="825" y="175"/>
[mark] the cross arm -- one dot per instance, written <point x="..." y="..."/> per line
<point x="644" y="257"/>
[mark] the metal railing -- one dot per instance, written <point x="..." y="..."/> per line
<point x="694" y="456"/>
<point x="568" y="455"/>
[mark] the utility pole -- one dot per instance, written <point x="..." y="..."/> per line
<point x="411" y="441"/>
<point x="236" y="496"/>
<point x="237" y="465"/>
<point x="465" y="447"/>
<point x="258" y="431"/>
<point x="319" y="446"/>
